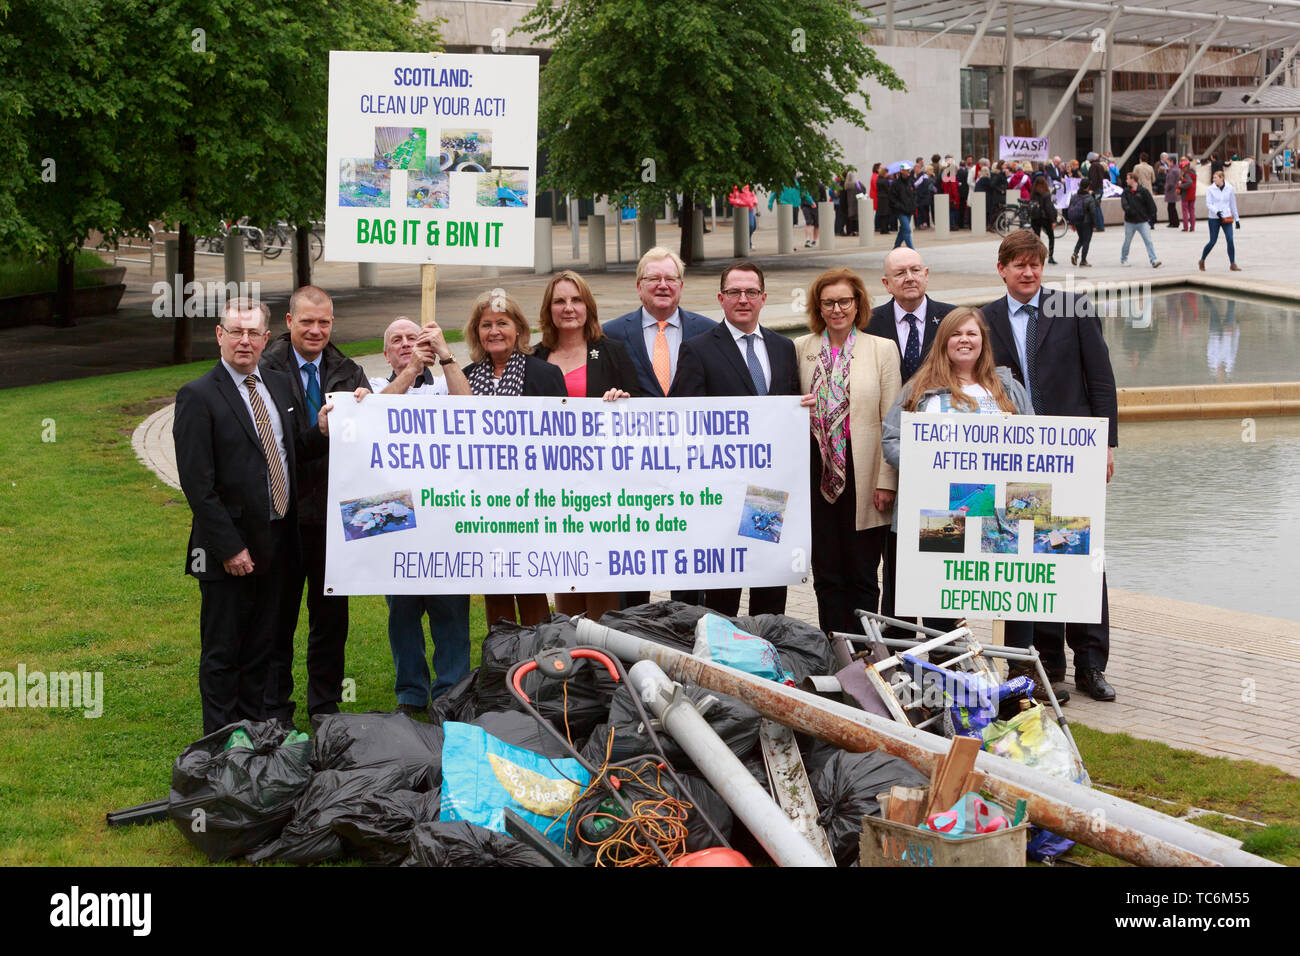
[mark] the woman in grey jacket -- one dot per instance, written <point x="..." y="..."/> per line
<point x="958" y="375"/>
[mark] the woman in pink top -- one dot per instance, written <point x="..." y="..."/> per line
<point x="594" y="366"/>
<point x="1019" y="180"/>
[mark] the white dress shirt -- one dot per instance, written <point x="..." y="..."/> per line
<point x="760" y="349"/>
<point x="276" y="426"/>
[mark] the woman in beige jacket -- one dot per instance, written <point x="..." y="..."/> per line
<point x="853" y="378"/>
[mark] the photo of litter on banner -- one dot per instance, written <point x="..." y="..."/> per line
<point x="431" y="158"/>
<point x="1001" y="516"/>
<point x="448" y="495"/>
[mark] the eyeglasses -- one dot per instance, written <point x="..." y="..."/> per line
<point x="753" y="294"/>
<point x="655" y="280"/>
<point x="240" y="334"/>
<point x="843" y="305"/>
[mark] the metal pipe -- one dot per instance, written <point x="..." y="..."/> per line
<point x="1088" y="816"/>
<point x="978" y="35"/>
<point x="767" y="821"/>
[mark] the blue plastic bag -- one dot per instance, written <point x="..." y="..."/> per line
<point x="717" y="639"/>
<point x="482" y="775"/>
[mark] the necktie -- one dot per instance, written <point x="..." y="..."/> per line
<point x="279" y="490"/>
<point x="660" y="361"/>
<point x="1031" y="351"/>
<point x="755" y="367"/>
<point x="314" y="397"/>
<point x="912" y="351"/>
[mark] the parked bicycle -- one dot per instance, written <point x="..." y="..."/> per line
<point x="1017" y="217"/>
<point x="279" y="236"/>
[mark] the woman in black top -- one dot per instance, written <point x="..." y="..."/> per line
<point x="498" y="335"/>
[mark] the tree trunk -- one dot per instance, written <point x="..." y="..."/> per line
<point x="686" y="249"/>
<point x="65" y="309"/>
<point x="182" y="336"/>
<point x="302" y="258"/>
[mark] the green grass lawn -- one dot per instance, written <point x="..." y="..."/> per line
<point x="92" y="548"/>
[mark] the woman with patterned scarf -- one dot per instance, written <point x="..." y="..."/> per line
<point x="498" y="334"/>
<point x="852" y="378"/>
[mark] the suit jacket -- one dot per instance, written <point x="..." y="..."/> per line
<point x="1074" y="372"/>
<point x="882" y="324"/>
<point x="873" y="384"/>
<point x="627" y="330"/>
<point x="540" y="378"/>
<point x="223" y="471"/>
<point x="712" y="365"/>
<point x="608" y="366"/>
<point x="338" y="373"/>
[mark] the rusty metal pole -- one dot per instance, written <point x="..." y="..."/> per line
<point x="1087" y="816"/>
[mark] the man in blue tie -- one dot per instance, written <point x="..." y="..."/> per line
<point x="739" y="357"/>
<point x="315" y="368"/>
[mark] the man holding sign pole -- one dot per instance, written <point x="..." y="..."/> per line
<point x="1052" y="341"/>
<point x="410" y="352"/>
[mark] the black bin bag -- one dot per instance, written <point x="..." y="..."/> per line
<point x="228" y="802"/>
<point x="845" y="790"/>
<point x="464" y="844"/>
<point x="354" y="741"/>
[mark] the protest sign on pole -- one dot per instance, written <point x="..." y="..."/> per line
<point x="1001" y="517"/>
<point x="431" y="158"/>
<point x="1022" y="148"/>
<point x="453" y="495"/>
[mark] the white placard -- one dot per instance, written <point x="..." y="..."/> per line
<point x="453" y="495"/>
<point x="1032" y="148"/>
<point x="431" y="158"/>
<point x="1001" y="516"/>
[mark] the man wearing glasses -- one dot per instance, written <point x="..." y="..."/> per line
<point x="739" y="357"/>
<point x="653" y="336"/>
<point x="314" y="368"/>
<point x="654" y="333"/>
<point x="908" y="319"/>
<point x="235" y="453"/>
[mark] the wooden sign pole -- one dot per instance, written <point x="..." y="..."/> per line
<point x="428" y="293"/>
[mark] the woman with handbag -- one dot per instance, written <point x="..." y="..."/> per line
<point x="1221" y="211"/>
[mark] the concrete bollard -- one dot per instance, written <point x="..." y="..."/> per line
<point x="784" y="228"/>
<point x="825" y="226"/>
<point x="978" y="213"/>
<point x="172" y="263"/>
<point x="1013" y="196"/>
<point x="697" y="233"/>
<point x="739" y="232"/>
<point x="543" y="261"/>
<point x="233" y="257"/>
<point x="367" y="275"/>
<point x="596" y="243"/>
<point x="941" y="227"/>
<point x="645" y="229"/>
<point x="866" y="222"/>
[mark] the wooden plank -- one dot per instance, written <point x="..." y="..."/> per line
<point x="956" y="764"/>
<point x="906" y="804"/>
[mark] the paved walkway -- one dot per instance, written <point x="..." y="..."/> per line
<point x="1194" y="677"/>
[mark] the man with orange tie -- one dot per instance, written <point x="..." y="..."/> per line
<point x="653" y="335"/>
<point x="235" y="454"/>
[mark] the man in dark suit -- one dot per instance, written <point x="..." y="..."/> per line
<point x="653" y="336"/>
<point x="739" y="357"/>
<point x="235" y="453"/>
<point x="908" y="319"/>
<point x="1052" y="342"/>
<point x="314" y="368"/>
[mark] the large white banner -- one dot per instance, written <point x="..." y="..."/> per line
<point x="452" y="495"/>
<point x="1001" y="516"/>
<point x="1032" y="148"/>
<point x="431" y="157"/>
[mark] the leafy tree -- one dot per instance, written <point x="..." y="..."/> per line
<point x="642" y="100"/>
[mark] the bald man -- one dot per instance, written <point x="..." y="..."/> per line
<point x="908" y="319"/>
<point x="411" y="352"/>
